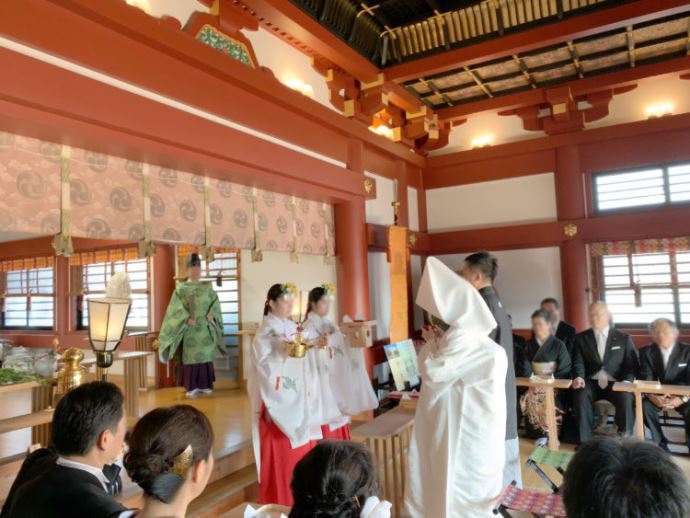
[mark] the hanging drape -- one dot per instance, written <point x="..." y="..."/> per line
<point x="54" y="189"/>
<point x="30" y="186"/>
<point x="643" y="246"/>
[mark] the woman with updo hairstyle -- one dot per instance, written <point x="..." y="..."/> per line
<point x="283" y="404"/>
<point x="170" y="458"/>
<point x="337" y="479"/>
<point x="341" y="369"/>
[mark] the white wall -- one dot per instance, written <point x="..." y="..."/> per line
<point x="380" y="210"/>
<point x="380" y="293"/>
<point x="525" y="277"/>
<point x="413" y="209"/>
<point x="528" y="199"/>
<point x="277" y="268"/>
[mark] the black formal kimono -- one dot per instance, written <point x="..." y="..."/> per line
<point x="532" y="402"/>
<point x="519" y="345"/>
<point x="677" y="372"/>
<point x="47" y="490"/>
<point x="553" y="350"/>
<point x="566" y="334"/>
<point x="503" y="336"/>
<point x="620" y="362"/>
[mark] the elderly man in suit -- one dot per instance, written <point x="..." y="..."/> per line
<point x="602" y="355"/>
<point x="666" y="360"/>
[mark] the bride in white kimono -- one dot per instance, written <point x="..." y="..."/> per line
<point x="457" y="450"/>
<point x="341" y="368"/>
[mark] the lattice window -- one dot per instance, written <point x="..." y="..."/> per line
<point x="28" y="297"/>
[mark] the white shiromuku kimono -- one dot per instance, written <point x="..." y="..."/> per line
<point x="280" y="383"/>
<point x="342" y="369"/>
<point x="457" y="450"/>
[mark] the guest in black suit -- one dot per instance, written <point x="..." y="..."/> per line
<point x="666" y="360"/>
<point x="480" y="270"/>
<point x="562" y="330"/>
<point x="68" y="479"/>
<point x="602" y="356"/>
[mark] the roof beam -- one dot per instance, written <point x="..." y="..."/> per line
<point x="541" y="36"/>
<point x="298" y="24"/>
<point x="578" y="87"/>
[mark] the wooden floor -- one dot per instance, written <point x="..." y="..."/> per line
<point x="229" y="412"/>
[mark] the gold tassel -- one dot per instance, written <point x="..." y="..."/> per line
<point x="146" y="246"/>
<point x="257" y="254"/>
<point x="294" y="257"/>
<point x="63" y="241"/>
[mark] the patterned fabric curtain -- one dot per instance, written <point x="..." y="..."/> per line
<point x="30" y="185"/>
<point x="28" y="263"/>
<point x="644" y="246"/>
<point x="104" y="256"/>
<point x="274" y="219"/>
<point x="231" y="215"/>
<point x="106" y="196"/>
<point x="310" y="227"/>
<point x="177" y="206"/>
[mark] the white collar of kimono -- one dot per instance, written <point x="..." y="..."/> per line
<point x="447" y="296"/>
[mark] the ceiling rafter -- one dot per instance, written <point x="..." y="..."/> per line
<point x="630" y="37"/>
<point x="481" y="85"/>
<point x="525" y="71"/>
<point x="575" y="58"/>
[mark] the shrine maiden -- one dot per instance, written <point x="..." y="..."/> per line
<point x="193" y="323"/>
<point x="341" y="368"/>
<point x="456" y="454"/>
<point x="285" y="397"/>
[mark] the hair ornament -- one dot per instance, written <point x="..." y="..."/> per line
<point x="183" y="462"/>
<point x="329" y="289"/>
<point x="289" y="290"/>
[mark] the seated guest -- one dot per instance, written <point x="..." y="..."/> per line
<point x="665" y="361"/>
<point x="610" y="478"/>
<point x="543" y="355"/>
<point x="602" y="356"/>
<point x="562" y="330"/>
<point x="337" y="479"/>
<point x="68" y="480"/>
<point x="519" y="344"/>
<point x="170" y="458"/>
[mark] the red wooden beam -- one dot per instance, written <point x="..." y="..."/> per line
<point x="662" y="223"/>
<point x="611" y="147"/>
<point x="128" y="44"/>
<point x="288" y="18"/>
<point x="580" y="26"/>
<point x="619" y="79"/>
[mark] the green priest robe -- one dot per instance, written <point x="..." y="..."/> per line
<point x="192" y="300"/>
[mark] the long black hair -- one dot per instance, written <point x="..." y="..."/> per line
<point x="274" y="293"/>
<point x="333" y="480"/>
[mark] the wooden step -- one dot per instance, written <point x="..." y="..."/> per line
<point x="225" y="494"/>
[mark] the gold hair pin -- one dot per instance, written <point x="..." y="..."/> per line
<point x="183" y="462"/>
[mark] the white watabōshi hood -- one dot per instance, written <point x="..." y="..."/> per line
<point x="447" y="296"/>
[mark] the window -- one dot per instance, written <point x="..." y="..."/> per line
<point x="29" y="301"/>
<point x="639" y="287"/>
<point x="95" y="278"/>
<point x="653" y="186"/>
<point x="225" y="268"/>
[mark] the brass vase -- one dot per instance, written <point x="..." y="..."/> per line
<point x="72" y="373"/>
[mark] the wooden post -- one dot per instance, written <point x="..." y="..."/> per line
<point x="132" y="387"/>
<point x="41" y="399"/>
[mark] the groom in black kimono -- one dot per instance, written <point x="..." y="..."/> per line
<point x="67" y="479"/>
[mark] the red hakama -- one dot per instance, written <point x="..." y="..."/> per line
<point x="339" y="434"/>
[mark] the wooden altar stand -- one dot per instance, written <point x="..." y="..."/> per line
<point x="388" y="438"/>
<point x="549" y="386"/>
<point x="41" y="411"/>
<point x="648" y="388"/>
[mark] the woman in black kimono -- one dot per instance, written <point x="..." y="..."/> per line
<point x="546" y="356"/>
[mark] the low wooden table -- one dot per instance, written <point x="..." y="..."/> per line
<point x="388" y="438"/>
<point x="41" y="411"/>
<point x="638" y="390"/>
<point x="549" y="387"/>
<point x="132" y="361"/>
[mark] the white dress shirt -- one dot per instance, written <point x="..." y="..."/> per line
<point x="602" y="337"/>
<point x="98" y="473"/>
<point x="666" y="354"/>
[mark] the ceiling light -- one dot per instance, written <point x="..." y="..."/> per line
<point x="482" y="140"/>
<point x="144" y="5"/>
<point x="300" y="86"/>
<point x="659" y="109"/>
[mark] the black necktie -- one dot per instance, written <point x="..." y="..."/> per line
<point x="112" y="473"/>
